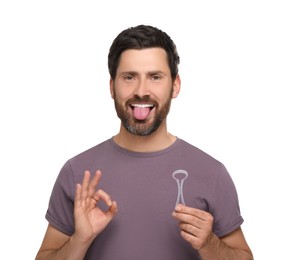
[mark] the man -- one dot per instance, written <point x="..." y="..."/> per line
<point x="172" y="200"/>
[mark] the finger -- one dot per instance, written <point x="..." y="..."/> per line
<point x="188" y="210"/>
<point x="201" y="214"/>
<point x="198" y="241"/>
<point x="94" y="183"/>
<point x="190" y="229"/>
<point x="188" y="219"/>
<point x="85" y="185"/>
<point x="113" y="209"/>
<point x="194" y="241"/>
<point x="78" y="195"/>
<point x="102" y="195"/>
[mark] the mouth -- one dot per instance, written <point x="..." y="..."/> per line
<point x="150" y="106"/>
<point x="141" y="110"/>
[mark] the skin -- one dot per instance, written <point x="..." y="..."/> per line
<point x="89" y="222"/>
<point x="196" y="228"/>
<point x="141" y="74"/>
<point x="144" y="73"/>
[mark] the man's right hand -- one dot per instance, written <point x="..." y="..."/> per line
<point x="90" y="220"/>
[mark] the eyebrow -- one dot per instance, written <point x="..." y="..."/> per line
<point x="148" y="73"/>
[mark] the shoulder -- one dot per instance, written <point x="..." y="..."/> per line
<point x="91" y="153"/>
<point x="86" y="159"/>
<point x="189" y="150"/>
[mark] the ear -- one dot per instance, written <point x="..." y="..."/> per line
<point x="176" y="86"/>
<point x="112" y="88"/>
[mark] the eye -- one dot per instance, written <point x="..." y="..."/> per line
<point x="156" y="77"/>
<point x="128" y="77"/>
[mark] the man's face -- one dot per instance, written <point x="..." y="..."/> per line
<point x="143" y="89"/>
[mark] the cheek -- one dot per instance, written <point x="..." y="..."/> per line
<point x="123" y="93"/>
<point x="163" y="96"/>
<point x="121" y="96"/>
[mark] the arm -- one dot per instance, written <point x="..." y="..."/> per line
<point x="196" y="228"/>
<point x="89" y="222"/>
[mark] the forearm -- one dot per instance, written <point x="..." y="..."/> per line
<point x="71" y="250"/>
<point x="216" y="249"/>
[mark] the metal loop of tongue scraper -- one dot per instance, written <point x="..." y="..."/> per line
<point x="180" y="178"/>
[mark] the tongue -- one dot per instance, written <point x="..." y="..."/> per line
<point x="141" y="113"/>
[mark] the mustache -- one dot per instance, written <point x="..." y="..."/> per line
<point x="141" y="100"/>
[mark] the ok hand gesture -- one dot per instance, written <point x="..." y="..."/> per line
<point x="90" y="220"/>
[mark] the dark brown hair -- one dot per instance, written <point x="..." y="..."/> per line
<point x="141" y="37"/>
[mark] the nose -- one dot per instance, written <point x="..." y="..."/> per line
<point x="141" y="88"/>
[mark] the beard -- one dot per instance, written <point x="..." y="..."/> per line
<point x="142" y="127"/>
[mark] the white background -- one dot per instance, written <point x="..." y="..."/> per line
<point x="55" y="103"/>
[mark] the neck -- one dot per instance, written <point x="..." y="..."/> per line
<point x="156" y="141"/>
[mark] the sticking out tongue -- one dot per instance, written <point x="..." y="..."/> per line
<point x="141" y="113"/>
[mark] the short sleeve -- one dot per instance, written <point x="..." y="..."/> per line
<point x="225" y="204"/>
<point x="60" y="213"/>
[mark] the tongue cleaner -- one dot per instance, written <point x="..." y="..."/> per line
<point x="141" y="113"/>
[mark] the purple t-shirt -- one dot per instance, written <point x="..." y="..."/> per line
<point x="146" y="187"/>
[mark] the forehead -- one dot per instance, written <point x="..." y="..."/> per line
<point x="144" y="59"/>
